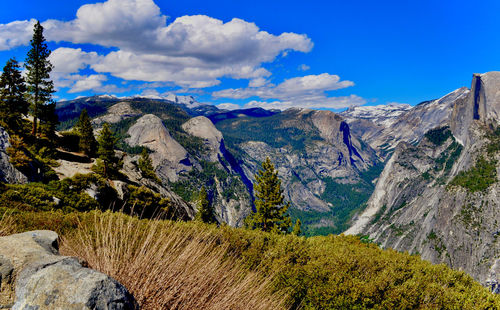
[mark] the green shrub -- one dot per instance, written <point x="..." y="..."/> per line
<point x="438" y="135"/>
<point x="333" y="272"/>
<point x="479" y="177"/>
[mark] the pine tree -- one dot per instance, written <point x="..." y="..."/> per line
<point x="108" y="164"/>
<point x="48" y="120"/>
<point x="205" y="209"/>
<point x="40" y="87"/>
<point x="296" y="229"/>
<point x="271" y="210"/>
<point x="13" y="105"/>
<point x="88" y="143"/>
<point x="146" y="166"/>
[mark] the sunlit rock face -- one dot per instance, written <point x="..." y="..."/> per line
<point x="421" y="206"/>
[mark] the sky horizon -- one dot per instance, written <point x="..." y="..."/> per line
<point x="271" y="54"/>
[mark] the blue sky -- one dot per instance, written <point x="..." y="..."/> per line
<point x="318" y="54"/>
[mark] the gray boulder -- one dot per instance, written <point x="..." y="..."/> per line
<point x="34" y="276"/>
<point x="8" y="173"/>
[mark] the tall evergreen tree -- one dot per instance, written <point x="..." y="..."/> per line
<point x="40" y="87"/>
<point x="271" y="211"/>
<point x="13" y="104"/>
<point x="108" y="164"/>
<point x="205" y="209"/>
<point x="88" y="143"/>
<point x="145" y="165"/>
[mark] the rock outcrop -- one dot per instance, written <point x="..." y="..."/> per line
<point x="8" y="173"/>
<point x="440" y="198"/>
<point x="34" y="276"/>
<point x="309" y="148"/>
<point x="169" y="157"/>
<point x="116" y="113"/>
<point x="384" y="130"/>
<point x="233" y="209"/>
<point x="203" y="128"/>
<point x="184" y="210"/>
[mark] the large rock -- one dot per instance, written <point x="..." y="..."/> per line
<point x="483" y="105"/>
<point x="203" y="128"/>
<point x="34" y="276"/>
<point x="116" y="113"/>
<point x="416" y="206"/>
<point x="169" y="157"/>
<point x="8" y="173"/>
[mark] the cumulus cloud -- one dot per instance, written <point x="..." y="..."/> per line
<point x="311" y="102"/>
<point x="91" y="82"/>
<point x="15" y="34"/>
<point x="228" y="106"/>
<point x="191" y="51"/>
<point x="307" y="91"/>
<point x="258" y="82"/>
<point x="71" y="60"/>
<point x="295" y="87"/>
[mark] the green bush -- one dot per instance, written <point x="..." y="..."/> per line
<point x="333" y="272"/>
<point x="479" y="177"/>
<point x="438" y="135"/>
<point x="67" y="195"/>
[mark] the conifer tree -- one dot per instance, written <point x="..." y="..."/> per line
<point x="296" y="229"/>
<point x="13" y="105"/>
<point x="40" y="87"/>
<point x="271" y="210"/>
<point x="146" y="166"/>
<point x="48" y="120"/>
<point x="108" y="163"/>
<point x="88" y="143"/>
<point x="205" y="209"/>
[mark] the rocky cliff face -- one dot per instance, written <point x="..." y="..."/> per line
<point x="440" y="198"/>
<point x="169" y="157"/>
<point x="384" y="127"/>
<point x="312" y="150"/>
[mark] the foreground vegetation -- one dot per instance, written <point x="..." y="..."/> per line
<point x="194" y="265"/>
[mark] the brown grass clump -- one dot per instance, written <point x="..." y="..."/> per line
<point x="7" y="224"/>
<point x="167" y="265"/>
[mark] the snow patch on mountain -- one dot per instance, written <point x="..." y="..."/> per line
<point x="384" y="115"/>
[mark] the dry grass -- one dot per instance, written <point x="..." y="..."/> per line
<point x="7" y="224"/>
<point x="170" y="266"/>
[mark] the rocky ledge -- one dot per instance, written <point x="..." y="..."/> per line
<point x="34" y="276"/>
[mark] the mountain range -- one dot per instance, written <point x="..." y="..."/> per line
<point x="421" y="179"/>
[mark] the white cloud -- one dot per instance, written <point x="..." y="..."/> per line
<point x="307" y="92"/>
<point x="258" y="82"/>
<point x="304" y="67"/>
<point x="228" y="106"/>
<point x="71" y="60"/>
<point x="318" y="102"/>
<point x="192" y="51"/>
<point x="15" y="34"/>
<point x="118" y="23"/>
<point x="291" y="88"/>
<point x="91" y="82"/>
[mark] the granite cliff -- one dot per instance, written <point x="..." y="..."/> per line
<point x="439" y="198"/>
